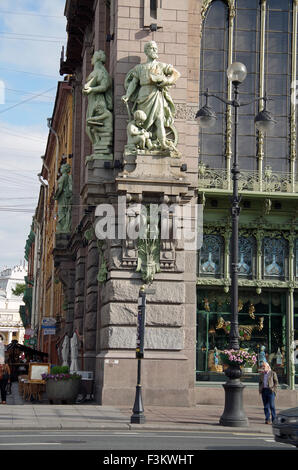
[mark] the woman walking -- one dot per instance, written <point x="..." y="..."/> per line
<point x="4" y="380"/>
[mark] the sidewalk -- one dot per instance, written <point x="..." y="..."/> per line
<point x="24" y="415"/>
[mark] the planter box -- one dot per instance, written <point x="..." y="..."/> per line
<point x="62" y="391"/>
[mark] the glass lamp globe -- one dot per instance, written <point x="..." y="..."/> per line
<point x="237" y="72"/>
<point x="206" y="117"/>
<point x="264" y="121"/>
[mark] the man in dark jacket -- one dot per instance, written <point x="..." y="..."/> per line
<point x="268" y="387"/>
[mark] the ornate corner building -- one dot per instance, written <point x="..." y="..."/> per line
<point x="136" y="144"/>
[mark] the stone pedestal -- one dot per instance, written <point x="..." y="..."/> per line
<point x="153" y="172"/>
<point x="169" y="360"/>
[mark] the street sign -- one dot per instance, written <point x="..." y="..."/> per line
<point x="48" y="322"/>
<point x="51" y="330"/>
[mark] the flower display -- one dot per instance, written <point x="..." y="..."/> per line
<point x="61" y="376"/>
<point x="241" y="357"/>
<point x="61" y="373"/>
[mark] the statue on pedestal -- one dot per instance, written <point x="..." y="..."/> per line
<point x="147" y="88"/>
<point x="74" y="348"/>
<point x="63" y="195"/>
<point x="99" y="119"/>
<point x="65" y="351"/>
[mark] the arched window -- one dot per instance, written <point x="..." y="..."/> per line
<point x="211" y="256"/>
<point x="262" y="35"/>
<point x="214" y="60"/>
<point x="278" y="81"/>
<point x="247" y="256"/>
<point x="246" y="50"/>
<point x="275" y="258"/>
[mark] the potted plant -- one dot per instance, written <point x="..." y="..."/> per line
<point x="236" y="359"/>
<point x="61" y="385"/>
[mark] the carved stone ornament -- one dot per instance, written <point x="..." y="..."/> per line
<point x="148" y="247"/>
<point x="207" y="3"/>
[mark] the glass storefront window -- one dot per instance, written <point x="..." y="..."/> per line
<point x="211" y="256"/>
<point x="275" y="257"/>
<point x="261" y="321"/>
<point x="247" y="256"/>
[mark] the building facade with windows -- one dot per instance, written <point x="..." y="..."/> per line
<point x="188" y="314"/>
<point x="11" y="325"/>
<point x="263" y="36"/>
<point x="47" y="296"/>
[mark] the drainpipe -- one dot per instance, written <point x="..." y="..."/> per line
<point x="44" y="246"/>
<point x="49" y="121"/>
<point x="35" y="267"/>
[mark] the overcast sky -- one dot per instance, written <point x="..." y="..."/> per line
<point x="32" y="33"/>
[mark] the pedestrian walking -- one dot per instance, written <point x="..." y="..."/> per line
<point x="4" y="380"/>
<point x="268" y="383"/>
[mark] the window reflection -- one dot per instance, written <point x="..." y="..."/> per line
<point x="211" y="255"/>
<point x="246" y="49"/>
<point x="214" y="48"/>
<point x="261" y="329"/>
<point x="275" y="255"/>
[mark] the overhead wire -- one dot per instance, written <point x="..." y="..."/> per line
<point x="14" y="90"/>
<point x="31" y="35"/>
<point x="31" y="39"/>
<point x="22" y="13"/>
<point x="5" y="130"/>
<point x="26" y="101"/>
<point x="29" y="73"/>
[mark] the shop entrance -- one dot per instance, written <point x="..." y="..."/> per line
<point x="262" y="329"/>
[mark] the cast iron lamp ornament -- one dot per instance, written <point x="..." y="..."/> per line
<point x="233" y="414"/>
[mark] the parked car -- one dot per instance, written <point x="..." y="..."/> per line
<point x="285" y="427"/>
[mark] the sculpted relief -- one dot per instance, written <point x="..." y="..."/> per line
<point x="63" y="196"/>
<point x="99" y="118"/>
<point x="151" y="117"/>
<point x="149" y="105"/>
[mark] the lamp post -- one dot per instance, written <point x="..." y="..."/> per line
<point x="233" y="413"/>
<point x="138" y="416"/>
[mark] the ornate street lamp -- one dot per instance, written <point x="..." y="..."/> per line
<point x="233" y="413"/>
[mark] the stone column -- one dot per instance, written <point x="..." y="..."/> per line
<point x="79" y="291"/>
<point x="90" y="322"/>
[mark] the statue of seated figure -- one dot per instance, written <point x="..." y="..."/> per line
<point x="100" y="125"/>
<point x="137" y="136"/>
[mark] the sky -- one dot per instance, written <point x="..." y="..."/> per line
<point x="32" y="33"/>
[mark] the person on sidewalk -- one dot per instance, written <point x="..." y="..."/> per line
<point x="268" y="383"/>
<point x="4" y="380"/>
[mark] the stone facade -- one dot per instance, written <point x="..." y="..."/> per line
<point x="101" y="278"/>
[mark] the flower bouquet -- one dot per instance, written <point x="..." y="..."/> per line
<point x="240" y="357"/>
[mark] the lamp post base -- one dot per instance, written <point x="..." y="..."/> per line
<point x="138" y="416"/>
<point x="233" y="414"/>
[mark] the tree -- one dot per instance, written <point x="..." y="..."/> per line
<point x="19" y="289"/>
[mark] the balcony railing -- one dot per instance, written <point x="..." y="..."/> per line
<point x="268" y="181"/>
